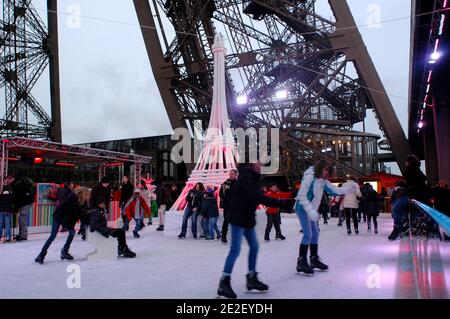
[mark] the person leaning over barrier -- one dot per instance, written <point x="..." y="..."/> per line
<point x="99" y="223"/>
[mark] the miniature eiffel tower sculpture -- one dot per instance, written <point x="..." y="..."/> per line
<point x="219" y="153"/>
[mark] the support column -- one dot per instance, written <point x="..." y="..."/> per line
<point x="55" y="95"/>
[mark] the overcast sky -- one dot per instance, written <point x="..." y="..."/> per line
<point x="108" y="90"/>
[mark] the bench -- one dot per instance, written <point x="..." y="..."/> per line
<point x="104" y="248"/>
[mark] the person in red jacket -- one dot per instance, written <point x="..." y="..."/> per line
<point x="135" y="208"/>
<point x="273" y="213"/>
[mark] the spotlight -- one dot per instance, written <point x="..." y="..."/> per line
<point x="435" y="56"/>
<point x="420" y="125"/>
<point x="281" y="94"/>
<point x="241" y="100"/>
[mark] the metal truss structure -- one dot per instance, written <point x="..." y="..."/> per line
<point x="27" y="47"/>
<point x="293" y="69"/>
<point x="69" y="153"/>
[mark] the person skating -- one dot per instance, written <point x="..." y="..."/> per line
<point x="126" y="191"/>
<point x="350" y="204"/>
<point x="162" y="201"/>
<point x="84" y="198"/>
<point x="135" y="208"/>
<point x="399" y="206"/>
<point x="24" y="191"/>
<point x="6" y="208"/>
<point x="193" y="207"/>
<point x="211" y="210"/>
<point x="314" y="183"/>
<point x="246" y="197"/>
<point x="66" y="214"/>
<point x="372" y="209"/>
<point x="273" y="213"/>
<point x="225" y="196"/>
<point x="99" y="223"/>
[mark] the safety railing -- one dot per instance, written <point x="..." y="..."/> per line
<point x="422" y="226"/>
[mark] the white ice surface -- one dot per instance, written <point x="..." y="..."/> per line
<point x="167" y="267"/>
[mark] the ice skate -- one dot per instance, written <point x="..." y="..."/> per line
<point x="254" y="283"/>
<point x="181" y="236"/>
<point x="303" y="266"/>
<point x="160" y="228"/>
<point x="317" y="264"/>
<point x="266" y="237"/>
<point x="40" y="258"/>
<point x="66" y="255"/>
<point x="225" y="289"/>
<point x="126" y="252"/>
<point x="280" y="236"/>
<point x="349" y="231"/>
<point x="136" y="234"/>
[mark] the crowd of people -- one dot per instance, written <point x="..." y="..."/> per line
<point x="239" y="196"/>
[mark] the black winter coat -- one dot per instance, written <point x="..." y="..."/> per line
<point x="24" y="191"/>
<point x="442" y="200"/>
<point x="210" y="208"/>
<point x="162" y="196"/>
<point x="172" y="198"/>
<point x="63" y="194"/>
<point x="246" y="197"/>
<point x="126" y="191"/>
<point x="100" y="191"/>
<point x="6" y="201"/>
<point x="98" y="221"/>
<point x="417" y="188"/>
<point x="371" y="198"/>
<point x="194" y="199"/>
<point x="225" y="193"/>
<point x="68" y="213"/>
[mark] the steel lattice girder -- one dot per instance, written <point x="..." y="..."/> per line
<point x="27" y="48"/>
<point x="275" y="44"/>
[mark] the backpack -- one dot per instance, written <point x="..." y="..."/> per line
<point x="24" y="192"/>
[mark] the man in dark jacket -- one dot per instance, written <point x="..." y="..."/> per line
<point x="24" y="191"/>
<point x="99" y="223"/>
<point x="6" y="208"/>
<point x="66" y="215"/>
<point x="246" y="197"/>
<point x="101" y="190"/>
<point x="126" y="191"/>
<point x="162" y="198"/>
<point x="225" y="196"/>
<point x="193" y="207"/>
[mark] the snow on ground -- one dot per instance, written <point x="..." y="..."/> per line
<point x="167" y="267"/>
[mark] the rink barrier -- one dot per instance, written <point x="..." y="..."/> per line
<point x="441" y="219"/>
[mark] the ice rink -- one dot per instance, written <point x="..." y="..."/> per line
<point x="363" y="266"/>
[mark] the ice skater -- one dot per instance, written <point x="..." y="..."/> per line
<point x="211" y="211"/>
<point x="66" y="215"/>
<point x="372" y="199"/>
<point x="273" y="213"/>
<point x="99" y="223"/>
<point x="135" y="208"/>
<point x="350" y="204"/>
<point x="225" y="196"/>
<point x="314" y="183"/>
<point x="246" y="197"/>
<point x="194" y="205"/>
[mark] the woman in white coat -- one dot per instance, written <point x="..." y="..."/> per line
<point x="350" y="203"/>
<point x="314" y="183"/>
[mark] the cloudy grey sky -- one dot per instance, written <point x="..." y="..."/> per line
<point x="109" y="92"/>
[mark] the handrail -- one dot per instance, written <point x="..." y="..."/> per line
<point x="441" y="219"/>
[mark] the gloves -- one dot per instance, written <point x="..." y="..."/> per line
<point x="313" y="215"/>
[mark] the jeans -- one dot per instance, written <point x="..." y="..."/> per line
<point x="399" y="209"/>
<point x="23" y="221"/>
<point x="236" y="239"/>
<point x="5" y="219"/>
<point x="138" y="226"/>
<point x="120" y="235"/>
<point x="213" y="227"/>
<point x="55" y="228"/>
<point x="310" y="228"/>
<point x="375" y="222"/>
<point x="205" y="226"/>
<point x="341" y="216"/>
<point x="351" y="212"/>
<point x="161" y="212"/>
<point x="187" y="214"/>
<point x="275" y="220"/>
